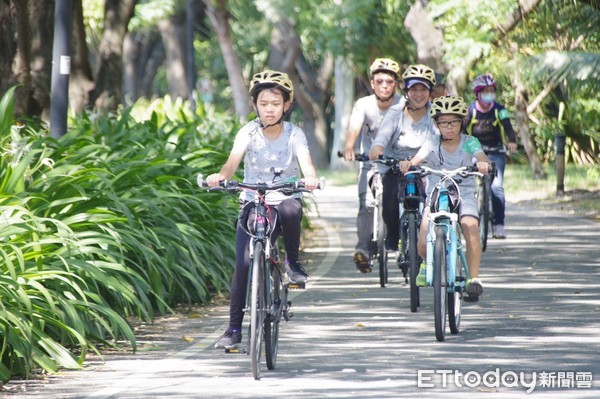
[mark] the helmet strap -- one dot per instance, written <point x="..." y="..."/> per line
<point x="383" y="100"/>
<point x="263" y="126"/>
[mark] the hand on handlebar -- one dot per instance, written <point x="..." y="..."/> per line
<point x="348" y="154"/>
<point x="311" y="183"/>
<point x="214" y="179"/>
<point x="404" y="166"/>
<point x="484" y="167"/>
<point x="375" y="153"/>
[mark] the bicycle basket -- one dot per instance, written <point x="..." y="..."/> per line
<point x="445" y="198"/>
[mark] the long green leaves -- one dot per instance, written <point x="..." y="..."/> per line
<point x="105" y="225"/>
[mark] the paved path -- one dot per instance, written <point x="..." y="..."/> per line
<point x="349" y="338"/>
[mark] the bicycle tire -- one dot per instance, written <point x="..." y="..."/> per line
<point x="413" y="262"/>
<point x="382" y="255"/>
<point x="484" y="212"/>
<point x="439" y="283"/>
<point x="455" y="298"/>
<point x="278" y="299"/>
<point x="257" y="309"/>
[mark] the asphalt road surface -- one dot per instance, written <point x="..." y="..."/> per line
<point x="534" y="333"/>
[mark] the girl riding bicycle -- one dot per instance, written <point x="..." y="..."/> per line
<point x="451" y="150"/>
<point x="273" y="151"/>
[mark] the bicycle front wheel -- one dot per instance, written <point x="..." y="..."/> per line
<point x="413" y="262"/>
<point x="278" y="299"/>
<point x="439" y="284"/>
<point x="257" y="308"/>
<point x="382" y="256"/>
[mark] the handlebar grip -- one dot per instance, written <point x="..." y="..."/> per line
<point x="200" y="180"/>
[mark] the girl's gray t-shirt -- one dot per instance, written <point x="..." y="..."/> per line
<point x="271" y="161"/>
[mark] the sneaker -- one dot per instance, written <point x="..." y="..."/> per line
<point x="362" y="261"/>
<point x="474" y="289"/>
<point x="499" y="231"/>
<point x="229" y="340"/>
<point x="422" y="276"/>
<point x="296" y="272"/>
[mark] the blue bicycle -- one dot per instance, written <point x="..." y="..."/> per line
<point x="447" y="269"/>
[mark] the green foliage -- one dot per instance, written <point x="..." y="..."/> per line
<point x="107" y="224"/>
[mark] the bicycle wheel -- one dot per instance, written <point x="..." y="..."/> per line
<point x="484" y="211"/>
<point x="439" y="283"/>
<point x="413" y="261"/>
<point x="278" y="299"/>
<point x="455" y="298"/>
<point x="257" y="308"/>
<point x="382" y="257"/>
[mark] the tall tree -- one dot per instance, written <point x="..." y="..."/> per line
<point x="107" y="93"/>
<point x="219" y="19"/>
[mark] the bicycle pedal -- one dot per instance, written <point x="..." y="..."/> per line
<point x="296" y="286"/>
<point x="241" y="351"/>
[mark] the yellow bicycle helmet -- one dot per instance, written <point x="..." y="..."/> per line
<point x="448" y="105"/>
<point x="270" y="78"/>
<point x="420" y="73"/>
<point x="385" y="65"/>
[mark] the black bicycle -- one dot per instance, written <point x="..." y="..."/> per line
<point x="411" y="202"/>
<point x="486" y="210"/>
<point x="377" y="251"/>
<point x="267" y="289"/>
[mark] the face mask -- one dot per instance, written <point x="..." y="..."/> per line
<point x="488" y="98"/>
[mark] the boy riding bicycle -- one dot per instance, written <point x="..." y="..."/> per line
<point x="273" y="151"/>
<point x="451" y="150"/>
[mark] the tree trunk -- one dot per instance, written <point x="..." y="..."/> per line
<point x="219" y="19"/>
<point x="173" y="33"/>
<point x="22" y="57"/>
<point x="109" y="78"/>
<point x="428" y="38"/>
<point x="285" y="54"/>
<point x="81" y="81"/>
<point x="344" y="96"/>
<point x="522" y="119"/>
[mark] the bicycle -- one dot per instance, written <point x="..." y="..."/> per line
<point x="410" y="208"/>
<point x="267" y="290"/>
<point x="484" y="195"/>
<point x="447" y="270"/>
<point x="377" y="251"/>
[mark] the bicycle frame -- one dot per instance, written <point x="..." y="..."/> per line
<point x="453" y="233"/>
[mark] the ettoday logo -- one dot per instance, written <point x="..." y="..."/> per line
<point x="508" y="379"/>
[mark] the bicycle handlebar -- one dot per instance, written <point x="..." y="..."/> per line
<point x="463" y="171"/>
<point x="236" y="185"/>
<point x="389" y="161"/>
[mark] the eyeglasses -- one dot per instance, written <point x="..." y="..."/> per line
<point x="389" y="82"/>
<point x="446" y="124"/>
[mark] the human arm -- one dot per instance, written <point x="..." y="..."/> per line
<point x="233" y="162"/>
<point x="483" y="162"/>
<point x="406" y="165"/>
<point x="305" y="160"/>
<point x="385" y="132"/>
<point x="504" y="117"/>
<point x="357" y="119"/>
